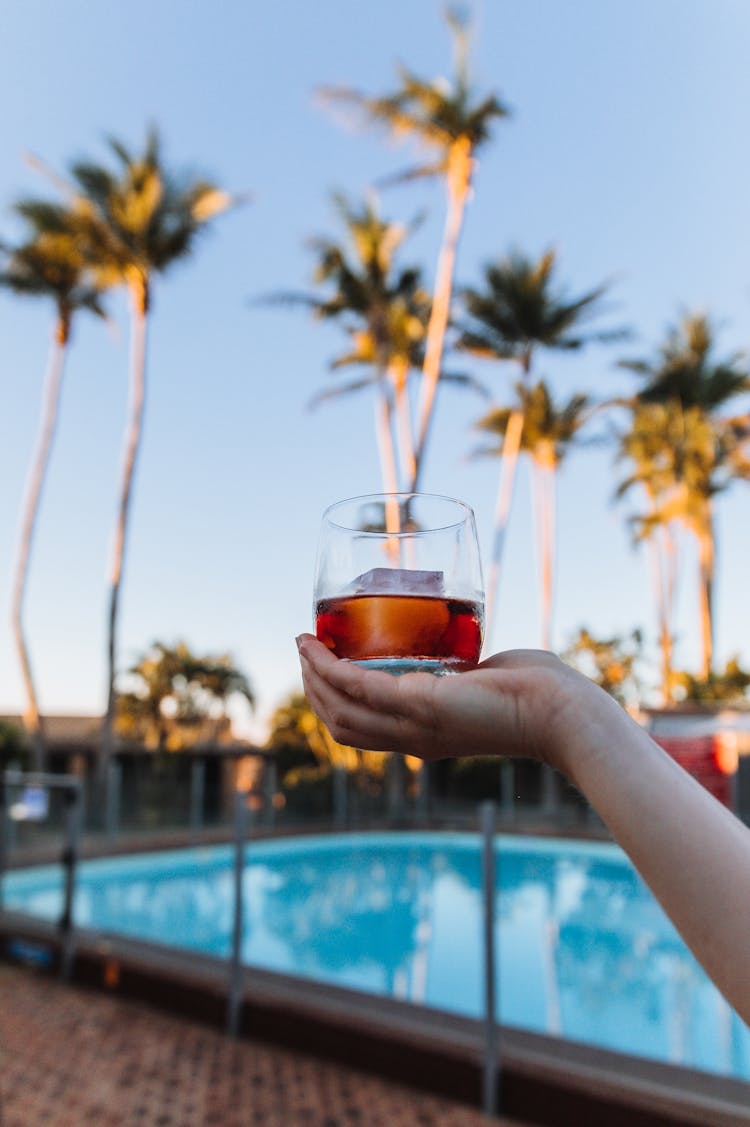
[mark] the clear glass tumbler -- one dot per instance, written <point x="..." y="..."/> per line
<point x="398" y="583"/>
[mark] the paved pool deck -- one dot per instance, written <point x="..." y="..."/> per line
<point x="70" y="1057"/>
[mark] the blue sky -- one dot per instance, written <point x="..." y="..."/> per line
<point x="626" y="151"/>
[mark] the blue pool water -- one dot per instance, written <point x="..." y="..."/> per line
<point x="583" y="949"/>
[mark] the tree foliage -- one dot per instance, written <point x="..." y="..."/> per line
<point x="728" y="686"/>
<point x="684" y="449"/>
<point x="522" y="307"/>
<point x="611" y="662"/>
<point x="176" y="698"/>
<point x="297" y="734"/>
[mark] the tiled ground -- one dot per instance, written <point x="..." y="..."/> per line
<point x="73" y="1058"/>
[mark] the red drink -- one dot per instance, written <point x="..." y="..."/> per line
<point x="419" y="627"/>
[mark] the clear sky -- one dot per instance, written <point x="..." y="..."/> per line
<point x="627" y="151"/>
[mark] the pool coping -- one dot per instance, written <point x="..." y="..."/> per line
<point x="544" y="1080"/>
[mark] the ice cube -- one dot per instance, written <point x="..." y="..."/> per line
<point x="398" y="581"/>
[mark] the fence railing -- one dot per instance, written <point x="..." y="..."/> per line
<point x="491" y="1063"/>
<point x="25" y="799"/>
<point x="526" y="793"/>
<point x="55" y="803"/>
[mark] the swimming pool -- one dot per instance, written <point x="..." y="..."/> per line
<point x="583" y="949"/>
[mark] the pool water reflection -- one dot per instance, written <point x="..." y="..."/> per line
<point x="584" y="951"/>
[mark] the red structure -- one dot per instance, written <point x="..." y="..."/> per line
<point x="706" y="759"/>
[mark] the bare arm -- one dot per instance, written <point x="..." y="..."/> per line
<point x="693" y="854"/>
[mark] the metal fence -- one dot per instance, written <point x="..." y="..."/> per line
<point x="53" y="804"/>
<point x="47" y="810"/>
<point x="161" y="796"/>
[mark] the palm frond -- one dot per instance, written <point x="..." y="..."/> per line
<point x="152" y="150"/>
<point x="486" y="451"/>
<point x="288" y="299"/>
<point x="65" y="186"/>
<point x="463" y="379"/>
<point x="44" y="216"/>
<point x="343" y="389"/>
<point x="121" y="152"/>
<point x="96" y="183"/>
<point x="410" y="175"/>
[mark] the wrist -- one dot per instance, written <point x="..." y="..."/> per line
<point x="590" y="723"/>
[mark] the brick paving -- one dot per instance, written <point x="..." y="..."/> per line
<point x="75" y="1058"/>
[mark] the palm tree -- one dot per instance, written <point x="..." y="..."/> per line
<point x="142" y="219"/>
<point x="685" y="368"/>
<point x="547" y="432"/>
<point x="49" y="264"/>
<point x="175" y="695"/>
<point x="297" y="736"/>
<point x="610" y="662"/>
<point x="446" y="119"/>
<point x="648" y="443"/>
<point x="519" y="311"/>
<point x="703" y="451"/>
<point x="295" y="724"/>
<point x="384" y="312"/>
<point x="729" y="686"/>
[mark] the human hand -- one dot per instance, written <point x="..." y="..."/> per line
<point x="694" y="855"/>
<point x="519" y="703"/>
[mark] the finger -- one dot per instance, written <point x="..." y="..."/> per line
<point x="374" y="711"/>
<point x="351" y="721"/>
<point x="373" y="687"/>
<point x="516" y="659"/>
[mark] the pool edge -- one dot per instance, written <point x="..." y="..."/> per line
<point x="544" y="1080"/>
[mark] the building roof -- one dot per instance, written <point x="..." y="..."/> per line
<point x="84" y="732"/>
<point x="66" y="729"/>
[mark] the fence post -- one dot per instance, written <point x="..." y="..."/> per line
<point x="550" y="791"/>
<point x="269" y="791"/>
<point x="742" y="789"/>
<point x="507" y="789"/>
<point x="4" y="835"/>
<point x="113" y="797"/>
<point x="234" y="998"/>
<point x="197" y="793"/>
<point x="491" y="1073"/>
<point x="423" y="793"/>
<point x="340" y="796"/>
<point x="72" y="795"/>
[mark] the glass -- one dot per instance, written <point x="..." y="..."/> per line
<point x="398" y="583"/>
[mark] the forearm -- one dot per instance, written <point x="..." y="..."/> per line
<point x="693" y="854"/>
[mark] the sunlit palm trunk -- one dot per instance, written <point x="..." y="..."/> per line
<point x="544" y="484"/>
<point x="388" y="468"/>
<point x="707" y="560"/>
<point x="509" y="461"/>
<point x="459" y="180"/>
<point x="39" y="464"/>
<point x="139" y="298"/>
<point x="398" y="374"/>
<point x="508" y="464"/>
<point x="663" y="551"/>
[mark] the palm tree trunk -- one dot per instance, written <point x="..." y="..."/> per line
<point x="458" y="182"/>
<point x="707" y="559"/>
<point x="398" y="374"/>
<point x="39" y="464"/>
<point x="139" y="295"/>
<point x="549" y="483"/>
<point x="388" y="471"/>
<point x="664" y="566"/>
<point x="508" y="463"/>
<point x="545" y="520"/>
